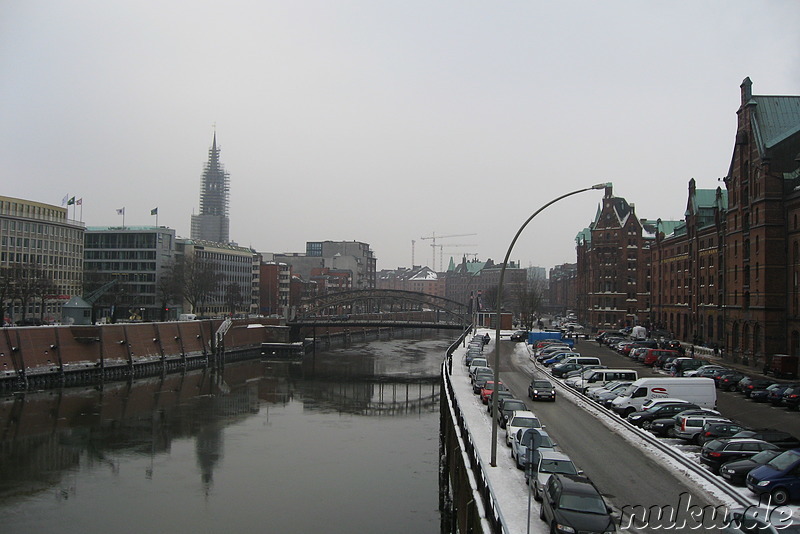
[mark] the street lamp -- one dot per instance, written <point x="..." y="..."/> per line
<point x="499" y="308"/>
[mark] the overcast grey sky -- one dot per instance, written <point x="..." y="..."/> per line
<point x="379" y="121"/>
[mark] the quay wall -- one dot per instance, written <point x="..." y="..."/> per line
<point x="35" y="357"/>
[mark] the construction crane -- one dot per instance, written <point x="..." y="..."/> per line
<point x="433" y="237"/>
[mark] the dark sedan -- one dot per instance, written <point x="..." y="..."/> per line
<point x="776" y="395"/>
<point x="717" y="430"/>
<point x="791" y="397"/>
<point x="729" y="381"/>
<point x="645" y="418"/>
<point x="762" y="395"/>
<point x="782" y="439"/>
<point x="520" y="335"/>
<point x="541" y="390"/>
<point x="749" y="384"/>
<point x="506" y="407"/>
<point x="719" y="451"/>
<point x="736" y="471"/>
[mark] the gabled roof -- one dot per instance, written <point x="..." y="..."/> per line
<point x="775" y="119"/>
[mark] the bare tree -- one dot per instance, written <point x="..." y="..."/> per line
<point x="233" y="297"/>
<point x="168" y="289"/>
<point x="527" y="300"/>
<point x="197" y="279"/>
<point x="29" y="282"/>
<point x="6" y="287"/>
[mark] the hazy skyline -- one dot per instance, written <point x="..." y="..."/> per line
<point x="382" y="122"/>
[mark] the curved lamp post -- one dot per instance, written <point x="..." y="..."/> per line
<point x="499" y="309"/>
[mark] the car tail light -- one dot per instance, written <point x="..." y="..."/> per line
<point x="715" y="454"/>
<point x="683" y="425"/>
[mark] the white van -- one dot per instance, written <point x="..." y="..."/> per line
<point x="700" y="391"/>
<point x="601" y="377"/>
<point x="583" y="360"/>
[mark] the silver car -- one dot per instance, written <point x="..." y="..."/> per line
<point x="550" y="462"/>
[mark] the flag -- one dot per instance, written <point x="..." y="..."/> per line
<point x="121" y="211"/>
<point x="154" y="211"/>
<point x="64" y="200"/>
<point x="79" y="202"/>
<point x="71" y="201"/>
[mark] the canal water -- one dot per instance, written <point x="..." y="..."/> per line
<point x="344" y="442"/>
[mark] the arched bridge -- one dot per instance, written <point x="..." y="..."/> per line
<point x="381" y="307"/>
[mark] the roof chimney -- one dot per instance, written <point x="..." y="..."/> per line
<point x="747" y="90"/>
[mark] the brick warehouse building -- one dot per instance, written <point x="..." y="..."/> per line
<point x="728" y="275"/>
<point x="687" y="261"/>
<point x="614" y="266"/>
<point x="762" y="238"/>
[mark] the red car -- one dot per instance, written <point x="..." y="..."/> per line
<point x="486" y="392"/>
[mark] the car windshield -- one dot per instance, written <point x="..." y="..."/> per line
<point x="783" y="461"/>
<point x="542" y="384"/>
<point x="511" y="406"/>
<point x="557" y="466"/>
<point x="590" y="504"/>
<point x="526" y="422"/>
<point x="763" y="456"/>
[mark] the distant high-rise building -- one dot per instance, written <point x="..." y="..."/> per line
<point x="213" y="224"/>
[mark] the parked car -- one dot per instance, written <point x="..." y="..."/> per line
<point x="520" y="335"/>
<point x="550" y="462"/>
<point x="681" y="366"/>
<point x="782" y="439"/>
<point x="606" y="396"/>
<point x="718" y="451"/>
<point x="507" y="407"/>
<point x="571" y="503"/>
<point x="791" y="397"/>
<point x="527" y="444"/>
<point x="520" y="420"/>
<point x="665" y="428"/>
<point x="541" y="390"/>
<point x="474" y="370"/>
<point x="709" y="371"/>
<point x="645" y="418"/>
<point x="763" y="395"/>
<point x="735" y="471"/>
<point x="776" y="395"/>
<point x="717" y="430"/>
<point x="688" y="427"/>
<point x="480" y="380"/>
<point x="749" y="384"/>
<point x="780" y="478"/>
<point x="729" y="381"/>
<point x="488" y="387"/>
<point x="501" y="394"/>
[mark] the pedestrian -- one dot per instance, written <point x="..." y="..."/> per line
<point x="692" y="351"/>
<point x="486" y="339"/>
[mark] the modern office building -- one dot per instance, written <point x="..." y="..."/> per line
<point x="38" y="238"/>
<point x="213" y="223"/>
<point x="354" y="257"/>
<point x="238" y="271"/>
<point x="136" y="257"/>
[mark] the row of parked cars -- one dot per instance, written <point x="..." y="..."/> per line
<point x="570" y="501"/>
<point x="766" y="460"/>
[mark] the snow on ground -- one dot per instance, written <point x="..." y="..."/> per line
<point x="508" y="482"/>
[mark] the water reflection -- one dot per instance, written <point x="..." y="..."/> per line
<point x="255" y="421"/>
